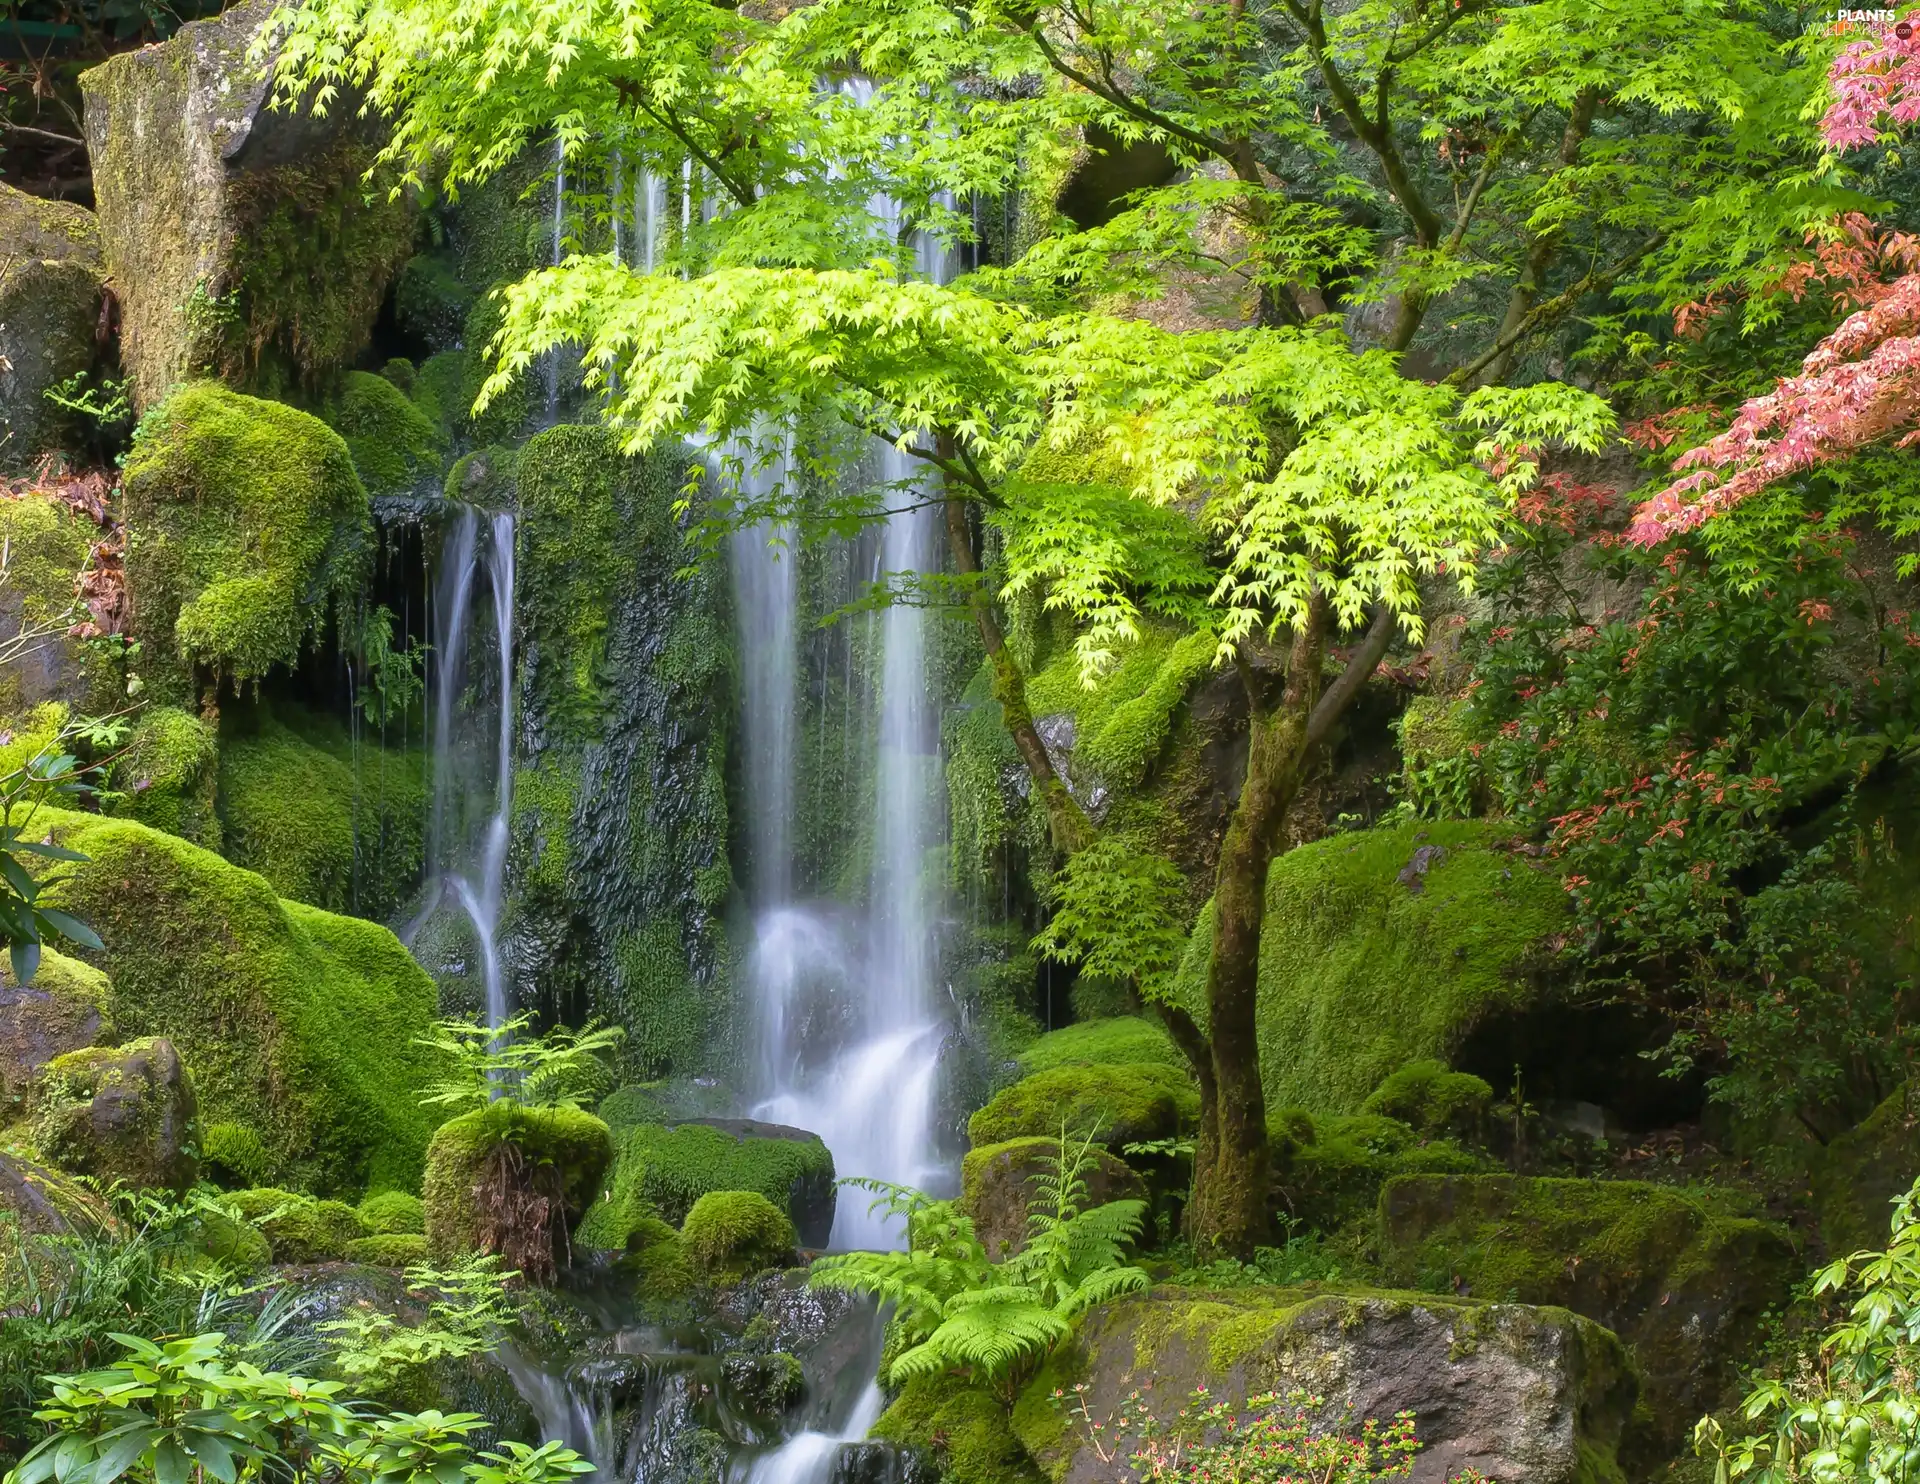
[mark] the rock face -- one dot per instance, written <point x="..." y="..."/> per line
<point x="998" y="1180"/>
<point x="41" y="1201"/>
<point x="239" y="239"/>
<point x="50" y="282"/>
<point x="1864" y="1169"/>
<point x="64" y="1009"/>
<point x="1520" y="1393"/>
<point x="1684" y="1284"/>
<point x="127" y="1114"/>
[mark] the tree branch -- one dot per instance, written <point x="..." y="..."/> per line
<point x="1361" y="664"/>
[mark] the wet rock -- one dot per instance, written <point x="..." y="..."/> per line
<point x="50" y="295"/>
<point x="998" y="1181"/>
<point x="1520" y="1393"/>
<point x="125" y="1114"/>
<point x="62" y="1010"/>
<point x="881" y="1463"/>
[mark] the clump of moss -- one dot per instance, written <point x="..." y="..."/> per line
<point x="731" y="1234"/>
<point x="394" y="1213"/>
<point x="246" y="525"/>
<point x="397" y="447"/>
<point x="166" y="775"/>
<point x="299" y="1228"/>
<point x="1858" y="1176"/>
<point x="1387" y="946"/>
<point x="961" y="1426"/>
<point x="1122" y="1041"/>
<point x="575" y="1146"/>
<point x="663" y="1171"/>
<point x="656" y="1261"/>
<point x="47" y="544"/>
<point x="1432" y="1099"/>
<point x="233" y="1244"/>
<point x="1120" y="1104"/>
<point x="1121" y="722"/>
<point x="388" y="1250"/>
<point x="120" y="1114"/>
<point x="233" y="1155"/>
<point x="295" y="1021"/>
<point x="1329" y="1167"/>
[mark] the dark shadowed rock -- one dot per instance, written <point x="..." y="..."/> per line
<point x="62" y="1010"/>
<point x="998" y="1180"/>
<point x="125" y="1114"/>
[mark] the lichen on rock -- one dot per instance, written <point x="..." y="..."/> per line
<point x="124" y="1114"/>
<point x="64" y="1009"/>
<point x="51" y="280"/>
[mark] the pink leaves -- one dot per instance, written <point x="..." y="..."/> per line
<point x="1875" y="78"/>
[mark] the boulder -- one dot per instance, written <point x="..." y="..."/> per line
<point x="732" y="1234"/>
<point x="241" y="240"/>
<point x="1683" y="1282"/>
<point x="1119" y="1105"/>
<point x="126" y="1114"/>
<point x="49" y="547"/>
<point x="42" y="1201"/>
<point x="1861" y="1173"/>
<point x="515" y="1181"/>
<point x="1519" y="1393"/>
<point x="64" y="1009"/>
<point x="997" y="1181"/>
<point x="50" y="289"/>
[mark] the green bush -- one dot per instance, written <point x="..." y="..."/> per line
<point x="394" y="1213"/>
<point x="1120" y="1104"/>
<point x="730" y="1234"/>
<point x="1433" y="1099"/>
<point x="299" y="1228"/>
<point x="388" y="1249"/>
<point x="1124" y="1040"/>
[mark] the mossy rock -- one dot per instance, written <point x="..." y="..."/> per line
<point x="168" y="774"/>
<point x="125" y="1114"/>
<point x="1515" y="1392"/>
<point x="1683" y="1279"/>
<point x="1857" y="1177"/>
<point x="1120" y="724"/>
<point x="1328" y="1169"/>
<point x="227" y="1243"/>
<point x="960" y="1427"/>
<point x="234" y="1156"/>
<point x="656" y="1262"/>
<point x="430" y="303"/>
<point x="394" y="1213"/>
<point x="48" y="543"/>
<point x="732" y="1234"/>
<point x="397" y="448"/>
<point x="1387" y="946"/>
<point x="998" y="1183"/>
<point x="49" y="310"/>
<point x="661" y="1171"/>
<point x="389" y="1250"/>
<point x="1121" y="1041"/>
<point x="1433" y="1100"/>
<point x="299" y="1228"/>
<point x="575" y="1146"/>
<point x="1119" y="1105"/>
<point x="38" y="1200"/>
<point x="242" y="239"/>
<point x="246" y="527"/>
<point x="296" y="1022"/>
<point x="64" y="1009"/>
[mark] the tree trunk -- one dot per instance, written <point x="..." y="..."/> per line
<point x="1067" y="822"/>
<point x="1206" y="1144"/>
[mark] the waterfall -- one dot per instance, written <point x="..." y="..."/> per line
<point x="466" y="779"/>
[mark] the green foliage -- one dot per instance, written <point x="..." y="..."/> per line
<point x="1122" y="722"/>
<point x="1855" y="1417"/>
<point x="299" y="1228"/>
<point x="563" y="1068"/>
<point x="957" y="1310"/>
<point x="730" y="1234"/>
<point x="1432" y="1099"/>
<point x="661" y="1171"/>
<point x="393" y="1250"/>
<point x="1121" y="1041"/>
<point x="394" y="1212"/>
<point x="467" y="1306"/>
<point x="47" y="777"/>
<point x="247" y="527"/>
<point x="166" y="775"/>
<point x="392" y="681"/>
<point x="1112" y="1104"/>
<point x="397" y="449"/>
<point x="1118" y="911"/>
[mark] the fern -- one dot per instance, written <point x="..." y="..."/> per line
<point x="562" y="1069"/>
<point x="957" y="1310"/>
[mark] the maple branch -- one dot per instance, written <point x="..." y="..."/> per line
<point x="1361" y="664"/>
<point x="635" y="95"/>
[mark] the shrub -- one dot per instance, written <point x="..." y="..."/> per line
<point x="394" y="1213"/>
<point x="1432" y="1099"/>
<point x="733" y="1233"/>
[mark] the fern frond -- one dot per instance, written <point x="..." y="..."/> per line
<point x="1097" y="1288"/>
<point x="993" y="1338"/>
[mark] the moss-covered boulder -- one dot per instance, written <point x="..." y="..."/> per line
<point x="241" y="239"/>
<point x="389" y="1250"/>
<point x="42" y="1201"/>
<point x="297" y="1023"/>
<point x="732" y="1234"/>
<point x="397" y="448"/>
<point x="1538" y="1394"/>
<point x="1328" y="1169"/>
<point x="394" y="1213"/>
<point x="960" y="1429"/>
<point x="246" y="527"/>
<point x="167" y="775"/>
<point x="1433" y="1100"/>
<point x="62" y="1010"/>
<point x="233" y="1156"/>
<point x="48" y="543"/>
<point x="299" y="1228"/>
<point x="1118" y="1041"/>
<point x="1387" y="946"/>
<point x="1118" y="1105"/>
<point x="49" y="309"/>
<point x="1857" y="1177"/>
<point x="515" y="1181"/>
<point x="661" y="1170"/>
<point x="998" y="1182"/>
<point x="225" y="1241"/>
<point x="1682" y="1279"/>
<point x="120" y="1114"/>
<point x="656" y="1261"/>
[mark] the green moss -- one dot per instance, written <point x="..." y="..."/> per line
<point x="246" y="525"/>
<point x="507" y="415"/>
<point x="1122" y="1041"/>
<point x="1362" y="971"/>
<point x="656" y="1261"/>
<point x="166" y="775"/>
<point x="431" y="303"/>
<point x="232" y="1154"/>
<point x="439" y="389"/>
<point x="575" y="1144"/>
<point x="326" y="823"/>
<point x="299" y="1228"/>
<point x="394" y="1213"/>
<point x="388" y="1250"/>
<point x="295" y="1021"/>
<point x="963" y="1428"/>
<point x="233" y="1244"/>
<point x="397" y="448"/>
<point x="1122" y="722"/>
<point x="731" y="1234"/>
<point x="662" y="1172"/>
<point x="1329" y="1167"/>
<point x="47" y="544"/>
<point x="1859" y="1175"/>
<point x="1433" y="1100"/>
<point x="1120" y="1103"/>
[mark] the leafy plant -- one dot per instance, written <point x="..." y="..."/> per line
<point x="562" y="1069"/>
<point x="392" y="680"/>
<point x="466" y="1308"/>
<point x="1856" y="1415"/>
<point x="956" y="1309"/>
